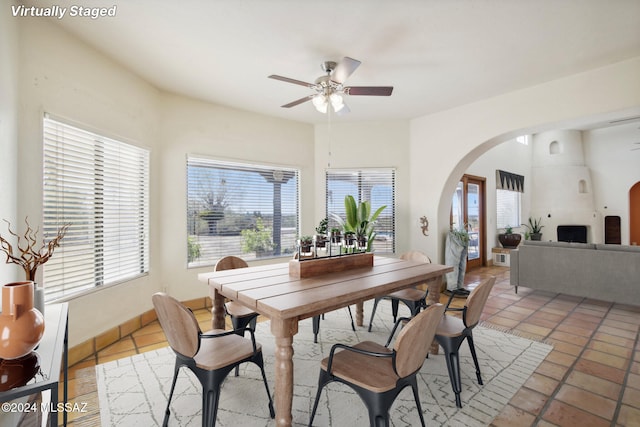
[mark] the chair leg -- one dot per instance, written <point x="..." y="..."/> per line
<point x="379" y="420"/>
<point x="378" y="405"/>
<point x="241" y="323"/>
<point x="258" y="360"/>
<point x="472" y="347"/>
<point x="416" y="396"/>
<point x="451" y="346"/>
<point x="210" y="399"/>
<point x="316" y="328"/>
<point x="394" y="308"/>
<point x="167" y="412"/>
<point x="353" y="325"/>
<point x="373" y="312"/>
<point x="323" y="379"/>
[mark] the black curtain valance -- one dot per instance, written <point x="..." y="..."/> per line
<point x="509" y="181"/>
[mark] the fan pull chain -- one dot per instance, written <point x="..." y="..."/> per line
<point x="329" y="134"/>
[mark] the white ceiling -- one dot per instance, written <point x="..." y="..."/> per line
<point x="436" y="53"/>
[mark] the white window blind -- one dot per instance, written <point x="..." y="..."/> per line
<point x="507" y="208"/>
<point x="374" y="185"/>
<point x="246" y="210"/>
<point x="101" y="187"/>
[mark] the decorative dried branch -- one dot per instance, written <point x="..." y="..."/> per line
<point x="30" y="256"/>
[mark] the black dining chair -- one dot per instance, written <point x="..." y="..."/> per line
<point x="415" y="299"/>
<point x="210" y="356"/>
<point x="378" y="373"/>
<point x="453" y="330"/>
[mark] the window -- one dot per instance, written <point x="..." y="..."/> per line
<point x="507" y="208"/>
<point x="246" y="210"/>
<point x="509" y="186"/>
<point x="101" y="187"/>
<point x="374" y="185"/>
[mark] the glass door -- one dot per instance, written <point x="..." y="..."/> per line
<point x="467" y="211"/>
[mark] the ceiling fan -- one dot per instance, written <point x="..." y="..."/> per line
<point x="330" y="87"/>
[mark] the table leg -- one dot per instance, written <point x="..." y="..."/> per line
<point x="359" y="313"/>
<point x="433" y="297"/>
<point x="217" y="312"/>
<point x="283" y="331"/>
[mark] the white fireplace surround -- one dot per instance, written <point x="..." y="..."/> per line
<point x="562" y="191"/>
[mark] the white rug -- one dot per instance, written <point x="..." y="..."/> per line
<point x="133" y="391"/>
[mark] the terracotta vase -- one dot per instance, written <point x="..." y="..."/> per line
<point x="21" y="325"/>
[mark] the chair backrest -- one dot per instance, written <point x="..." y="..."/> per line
<point x="229" y="263"/>
<point x="414" y="340"/>
<point x="476" y="301"/>
<point x="415" y="256"/>
<point x="178" y="324"/>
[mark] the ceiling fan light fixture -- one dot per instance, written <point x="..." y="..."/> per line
<point x="320" y="102"/>
<point x="336" y="102"/>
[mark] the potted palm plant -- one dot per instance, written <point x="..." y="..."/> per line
<point x="361" y="221"/>
<point x="535" y="229"/>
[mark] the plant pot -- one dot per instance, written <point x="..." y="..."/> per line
<point x="349" y="240"/>
<point x="509" y="241"/>
<point x="321" y="241"/>
<point x="21" y="325"/>
<point x="306" y="248"/>
<point x="535" y="236"/>
<point x="362" y="243"/>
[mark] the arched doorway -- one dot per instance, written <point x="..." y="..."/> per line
<point x="634" y="214"/>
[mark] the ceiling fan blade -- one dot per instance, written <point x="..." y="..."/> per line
<point x="369" y="90"/>
<point x="294" y="81"/>
<point x="344" y="69"/>
<point x="297" y="101"/>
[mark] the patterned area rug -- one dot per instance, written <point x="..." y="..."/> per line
<point x="133" y="391"/>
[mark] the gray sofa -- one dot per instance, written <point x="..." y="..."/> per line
<point x="598" y="271"/>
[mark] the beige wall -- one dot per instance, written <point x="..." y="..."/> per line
<point x="8" y="128"/>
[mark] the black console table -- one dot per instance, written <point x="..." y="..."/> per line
<point x="53" y="356"/>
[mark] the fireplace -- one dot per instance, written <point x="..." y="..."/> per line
<point x="572" y="233"/>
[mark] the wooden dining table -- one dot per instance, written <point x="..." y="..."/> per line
<point x="271" y="291"/>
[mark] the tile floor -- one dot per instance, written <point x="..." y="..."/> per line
<point x="591" y="378"/>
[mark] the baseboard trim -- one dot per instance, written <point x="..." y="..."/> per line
<point x="92" y="346"/>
